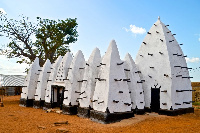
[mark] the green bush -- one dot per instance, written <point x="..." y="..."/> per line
<point x="196" y="103"/>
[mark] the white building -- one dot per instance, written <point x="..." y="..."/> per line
<point x="42" y="85"/>
<point x="89" y="83"/>
<point x="167" y="85"/>
<point x="111" y="100"/>
<point x="30" y="85"/>
<point x="49" y="95"/>
<point x="108" y="89"/>
<point x="135" y="85"/>
<point x="73" y="84"/>
<point x="59" y="84"/>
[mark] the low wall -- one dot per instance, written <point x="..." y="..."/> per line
<point x="196" y="94"/>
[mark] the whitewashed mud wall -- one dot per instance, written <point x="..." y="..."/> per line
<point x="30" y="83"/>
<point x="42" y="81"/>
<point x="110" y="85"/>
<point x="52" y="78"/>
<point x="63" y="70"/>
<point x="162" y="64"/>
<point x="74" y="80"/>
<point x="134" y="84"/>
<point x="111" y="91"/>
<point x="89" y="81"/>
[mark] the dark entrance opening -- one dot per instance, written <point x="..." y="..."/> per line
<point x="57" y="96"/>
<point x="155" y="99"/>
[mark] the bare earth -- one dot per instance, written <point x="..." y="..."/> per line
<point x="14" y="118"/>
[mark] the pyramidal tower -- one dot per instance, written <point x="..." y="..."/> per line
<point x="167" y="85"/>
<point x="134" y="85"/>
<point x="73" y="84"/>
<point x="30" y="85"/>
<point x="42" y="85"/>
<point x="58" y="86"/>
<point x="49" y="99"/>
<point x="111" y="100"/>
<point x="63" y="69"/>
<point x="89" y="83"/>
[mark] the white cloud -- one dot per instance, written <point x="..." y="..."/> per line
<point x="192" y="60"/>
<point x="135" y="30"/>
<point x="127" y="30"/>
<point x="2" y="11"/>
<point x="198" y="37"/>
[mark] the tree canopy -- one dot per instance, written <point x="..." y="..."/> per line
<point x="52" y="38"/>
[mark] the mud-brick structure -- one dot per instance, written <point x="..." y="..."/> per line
<point x="42" y="85"/>
<point x="73" y="84"/>
<point x="49" y="95"/>
<point x="109" y="89"/>
<point x="92" y="68"/>
<point x="111" y="100"/>
<point x="134" y="84"/>
<point x="59" y="84"/>
<point x="167" y="85"/>
<point x="30" y="85"/>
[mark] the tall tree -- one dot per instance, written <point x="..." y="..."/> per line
<point x="52" y="38"/>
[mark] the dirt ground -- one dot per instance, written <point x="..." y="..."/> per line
<point x="14" y="118"/>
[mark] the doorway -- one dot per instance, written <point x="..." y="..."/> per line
<point x="155" y="99"/>
<point x="57" y="96"/>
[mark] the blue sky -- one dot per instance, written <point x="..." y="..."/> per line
<point x="100" y="21"/>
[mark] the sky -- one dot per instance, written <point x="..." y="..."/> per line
<point x="125" y="21"/>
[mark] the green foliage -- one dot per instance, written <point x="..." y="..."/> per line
<point x="196" y="103"/>
<point x="52" y="38"/>
<point x="55" y="36"/>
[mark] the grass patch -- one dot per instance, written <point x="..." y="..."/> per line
<point x="197" y="107"/>
<point x="196" y="103"/>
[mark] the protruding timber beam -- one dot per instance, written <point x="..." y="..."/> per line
<point x="115" y="101"/>
<point x="150" y="54"/>
<point x="120" y="63"/>
<point x="118" y="79"/>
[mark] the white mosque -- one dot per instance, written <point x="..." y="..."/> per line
<point x="107" y="89"/>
